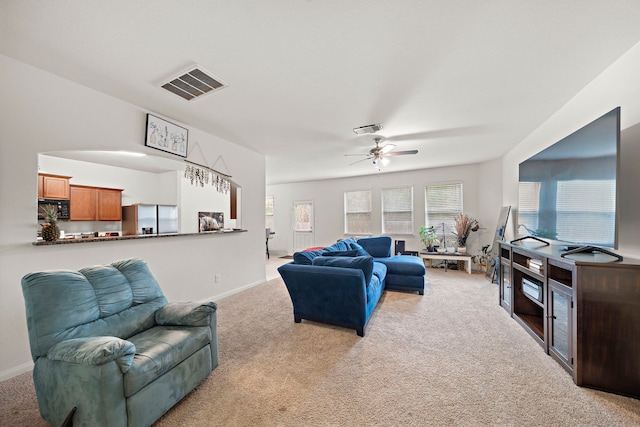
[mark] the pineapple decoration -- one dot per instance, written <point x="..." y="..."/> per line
<point x="50" y="230"/>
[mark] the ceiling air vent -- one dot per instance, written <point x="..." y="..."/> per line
<point x="367" y="129"/>
<point x="193" y="83"/>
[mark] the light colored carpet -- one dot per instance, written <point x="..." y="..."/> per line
<point x="450" y="357"/>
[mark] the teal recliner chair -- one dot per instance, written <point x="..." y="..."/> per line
<point x="105" y="341"/>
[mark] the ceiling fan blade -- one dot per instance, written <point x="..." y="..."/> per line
<point x="402" y="153"/>
<point x="387" y="148"/>
<point x="353" y="154"/>
<point x="361" y="160"/>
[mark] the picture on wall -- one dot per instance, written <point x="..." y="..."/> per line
<point x="210" y="221"/>
<point x="166" y="136"/>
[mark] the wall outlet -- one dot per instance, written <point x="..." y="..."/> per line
<point x="218" y="278"/>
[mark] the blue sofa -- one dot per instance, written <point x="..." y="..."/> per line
<point x="342" y="283"/>
<point x="105" y="341"/>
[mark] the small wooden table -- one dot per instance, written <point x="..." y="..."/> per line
<point x="448" y="256"/>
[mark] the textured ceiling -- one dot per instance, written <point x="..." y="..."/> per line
<point x="460" y="81"/>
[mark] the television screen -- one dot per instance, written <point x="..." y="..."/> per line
<point x="567" y="192"/>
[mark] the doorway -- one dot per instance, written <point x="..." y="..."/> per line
<point x="302" y="225"/>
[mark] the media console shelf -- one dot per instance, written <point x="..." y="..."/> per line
<point x="583" y="310"/>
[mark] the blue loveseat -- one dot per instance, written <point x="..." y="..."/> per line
<point x="105" y="340"/>
<point x="342" y="283"/>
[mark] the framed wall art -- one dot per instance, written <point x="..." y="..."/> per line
<point x="166" y="136"/>
<point x="210" y="221"/>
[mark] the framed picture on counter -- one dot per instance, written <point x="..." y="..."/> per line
<point x="166" y="136"/>
<point x="210" y="221"/>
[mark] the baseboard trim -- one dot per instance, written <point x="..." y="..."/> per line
<point x="238" y="290"/>
<point x="15" y="371"/>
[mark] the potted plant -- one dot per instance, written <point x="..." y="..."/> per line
<point x="429" y="237"/>
<point x="464" y="225"/>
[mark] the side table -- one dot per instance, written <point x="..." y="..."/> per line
<point x="448" y="256"/>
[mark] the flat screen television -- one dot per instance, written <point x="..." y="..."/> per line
<point x="567" y="192"/>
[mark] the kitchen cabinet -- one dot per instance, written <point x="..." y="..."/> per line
<point x="53" y="186"/>
<point x="109" y="204"/>
<point x="95" y="203"/>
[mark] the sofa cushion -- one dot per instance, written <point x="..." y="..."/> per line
<point x="361" y="252"/>
<point x="338" y="246"/>
<point x="378" y="247"/>
<point x="360" y="262"/>
<point x="160" y="349"/>
<point x="404" y="264"/>
<point x="379" y="270"/>
<point x="306" y="257"/>
<point x="350" y="253"/>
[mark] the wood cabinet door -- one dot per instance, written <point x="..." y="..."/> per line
<point x="82" y="203"/>
<point x="40" y="187"/>
<point x="109" y="204"/>
<point x="54" y="187"/>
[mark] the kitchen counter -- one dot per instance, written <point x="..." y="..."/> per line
<point x="149" y="236"/>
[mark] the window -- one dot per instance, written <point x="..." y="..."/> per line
<point x="268" y="211"/>
<point x="357" y="212"/>
<point x="443" y="202"/>
<point x="397" y="210"/>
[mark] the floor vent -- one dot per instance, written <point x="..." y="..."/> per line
<point x="193" y="83"/>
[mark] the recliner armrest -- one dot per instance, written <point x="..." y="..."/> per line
<point x="191" y="313"/>
<point x="94" y="351"/>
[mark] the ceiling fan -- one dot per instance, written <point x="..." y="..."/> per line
<point x="380" y="155"/>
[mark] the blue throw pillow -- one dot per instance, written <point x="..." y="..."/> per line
<point x="350" y="253"/>
<point x="306" y="258"/>
<point x="359" y="249"/>
<point x="338" y="246"/>
<point x="364" y="263"/>
<point x="378" y="247"/>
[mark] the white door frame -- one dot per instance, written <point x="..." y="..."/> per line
<point x="303" y="236"/>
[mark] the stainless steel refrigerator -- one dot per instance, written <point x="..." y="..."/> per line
<point x="139" y="219"/>
<point x="167" y="219"/>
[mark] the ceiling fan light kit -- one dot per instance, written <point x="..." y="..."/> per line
<point x="380" y="155"/>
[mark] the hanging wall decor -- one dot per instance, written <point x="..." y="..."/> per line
<point x="166" y="136"/>
<point x="200" y="175"/>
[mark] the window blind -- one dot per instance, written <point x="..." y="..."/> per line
<point x="357" y="212"/>
<point x="397" y="210"/>
<point x="443" y="202"/>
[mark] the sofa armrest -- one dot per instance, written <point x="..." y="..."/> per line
<point x="191" y="313"/>
<point x="94" y="351"/>
<point x="324" y="293"/>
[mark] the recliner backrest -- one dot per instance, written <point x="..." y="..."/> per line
<point x="119" y="300"/>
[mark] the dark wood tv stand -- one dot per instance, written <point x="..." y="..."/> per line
<point x="583" y="310"/>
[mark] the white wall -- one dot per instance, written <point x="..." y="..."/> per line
<point x="482" y="198"/>
<point x="618" y="85"/>
<point x="41" y="112"/>
<point x="201" y="199"/>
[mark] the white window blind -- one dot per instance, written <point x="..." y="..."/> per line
<point x="443" y="202"/>
<point x="397" y="210"/>
<point x="357" y="212"/>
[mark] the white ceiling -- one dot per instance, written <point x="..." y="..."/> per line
<point x="460" y="81"/>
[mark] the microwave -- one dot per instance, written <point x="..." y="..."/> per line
<point x="62" y="205"/>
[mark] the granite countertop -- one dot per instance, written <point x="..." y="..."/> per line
<point x="148" y="236"/>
